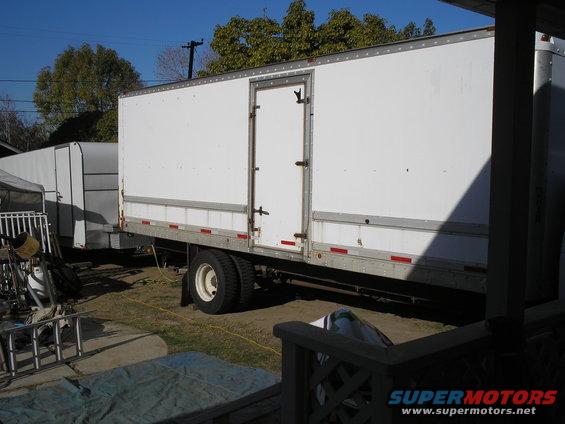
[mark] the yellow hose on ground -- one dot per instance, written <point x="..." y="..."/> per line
<point x="215" y="327"/>
<point x="159" y="268"/>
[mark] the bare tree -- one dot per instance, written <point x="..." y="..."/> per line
<point x="172" y="64"/>
<point x="204" y="58"/>
<point x="18" y="131"/>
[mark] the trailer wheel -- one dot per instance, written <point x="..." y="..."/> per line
<point x="213" y="281"/>
<point x="246" y="273"/>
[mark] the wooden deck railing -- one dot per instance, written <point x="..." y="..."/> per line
<point x="328" y="377"/>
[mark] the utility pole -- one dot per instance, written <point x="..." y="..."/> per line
<point x="191" y="46"/>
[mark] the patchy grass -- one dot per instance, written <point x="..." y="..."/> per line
<point x="136" y="294"/>
<point x="151" y="304"/>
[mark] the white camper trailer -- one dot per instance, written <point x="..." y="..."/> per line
<point x="81" y="191"/>
<point x="17" y="194"/>
<point x="368" y="163"/>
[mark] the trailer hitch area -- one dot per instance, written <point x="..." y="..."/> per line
<point x="260" y="211"/>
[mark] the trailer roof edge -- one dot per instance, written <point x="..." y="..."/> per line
<point x="306" y="63"/>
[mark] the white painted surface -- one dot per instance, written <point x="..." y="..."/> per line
<point x="187" y="144"/>
<point x="279" y="143"/>
<point x="64" y="192"/>
<point x="38" y="167"/>
<point x="100" y="179"/>
<point x="94" y="188"/>
<point x="77" y="187"/>
<point x="188" y="216"/>
<point x="403" y="135"/>
<point x="447" y="247"/>
<point x="406" y="135"/>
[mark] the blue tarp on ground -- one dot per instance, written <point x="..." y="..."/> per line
<point x="147" y="392"/>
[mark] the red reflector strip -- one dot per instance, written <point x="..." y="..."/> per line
<point x="146" y="222"/>
<point x="338" y="250"/>
<point x="288" y="243"/>
<point x="205" y="231"/>
<point x="174" y="226"/>
<point x="242" y="236"/>
<point x="401" y="259"/>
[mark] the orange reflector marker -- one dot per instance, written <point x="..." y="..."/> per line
<point x="242" y="236"/>
<point x="174" y="226"/>
<point x="288" y="243"/>
<point x="401" y="259"/>
<point x="338" y="250"/>
<point x="205" y="231"/>
<point x="146" y="222"/>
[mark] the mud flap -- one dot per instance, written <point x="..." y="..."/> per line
<point x="185" y="297"/>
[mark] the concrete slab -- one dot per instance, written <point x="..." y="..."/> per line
<point x="107" y="345"/>
<point x="119" y="346"/>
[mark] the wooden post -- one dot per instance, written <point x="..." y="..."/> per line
<point x="381" y="386"/>
<point x="294" y="408"/>
<point x="511" y="172"/>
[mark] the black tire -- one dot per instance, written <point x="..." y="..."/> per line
<point x="246" y="274"/>
<point x="226" y="280"/>
<point x="66" y="281"/>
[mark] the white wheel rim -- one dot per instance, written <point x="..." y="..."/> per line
<point x="206" y="282"/>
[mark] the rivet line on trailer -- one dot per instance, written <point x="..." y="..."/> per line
<point x="211" y="326"/>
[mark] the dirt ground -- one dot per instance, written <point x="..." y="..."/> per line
<point x="133" y="291"/>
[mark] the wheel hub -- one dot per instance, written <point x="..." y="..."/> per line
<point x="206" y="282"/>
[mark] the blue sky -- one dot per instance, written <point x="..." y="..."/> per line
<point x="34" y="32"/>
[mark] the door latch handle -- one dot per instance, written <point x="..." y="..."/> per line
<point x="260" y="211"/>
<point x="301" y="163"/>
<point x="299" y="98"/>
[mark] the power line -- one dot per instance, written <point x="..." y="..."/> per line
<point x="8" y="100"/>
<point x="28" y="111"/>
<point x="73" y="81"/>
<point x="83" y="40"/>
<point x="89" y="34"/>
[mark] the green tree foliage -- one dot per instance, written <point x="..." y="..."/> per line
<point x="298" y="31"/>
<point x="243" y="43"/>
<point x="86" y="82"/>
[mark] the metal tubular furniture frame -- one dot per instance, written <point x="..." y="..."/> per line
<point x="11" y="354"/>
<point x="33" y="223"/>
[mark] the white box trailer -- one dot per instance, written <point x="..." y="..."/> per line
<point x="371" y="162"/>
<point x="81" y="191"/>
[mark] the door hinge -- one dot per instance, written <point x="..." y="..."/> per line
<point x="302" y="236"/>
<point x="301" y="163"/>
<point x="253" y="114"/>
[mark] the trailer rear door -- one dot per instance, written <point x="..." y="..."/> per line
<point x="64" y="194"/>
<point x="278" y="179"/>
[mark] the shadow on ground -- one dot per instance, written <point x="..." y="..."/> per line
<point x="111" y="268"/>
<point x="451" y="314"/>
